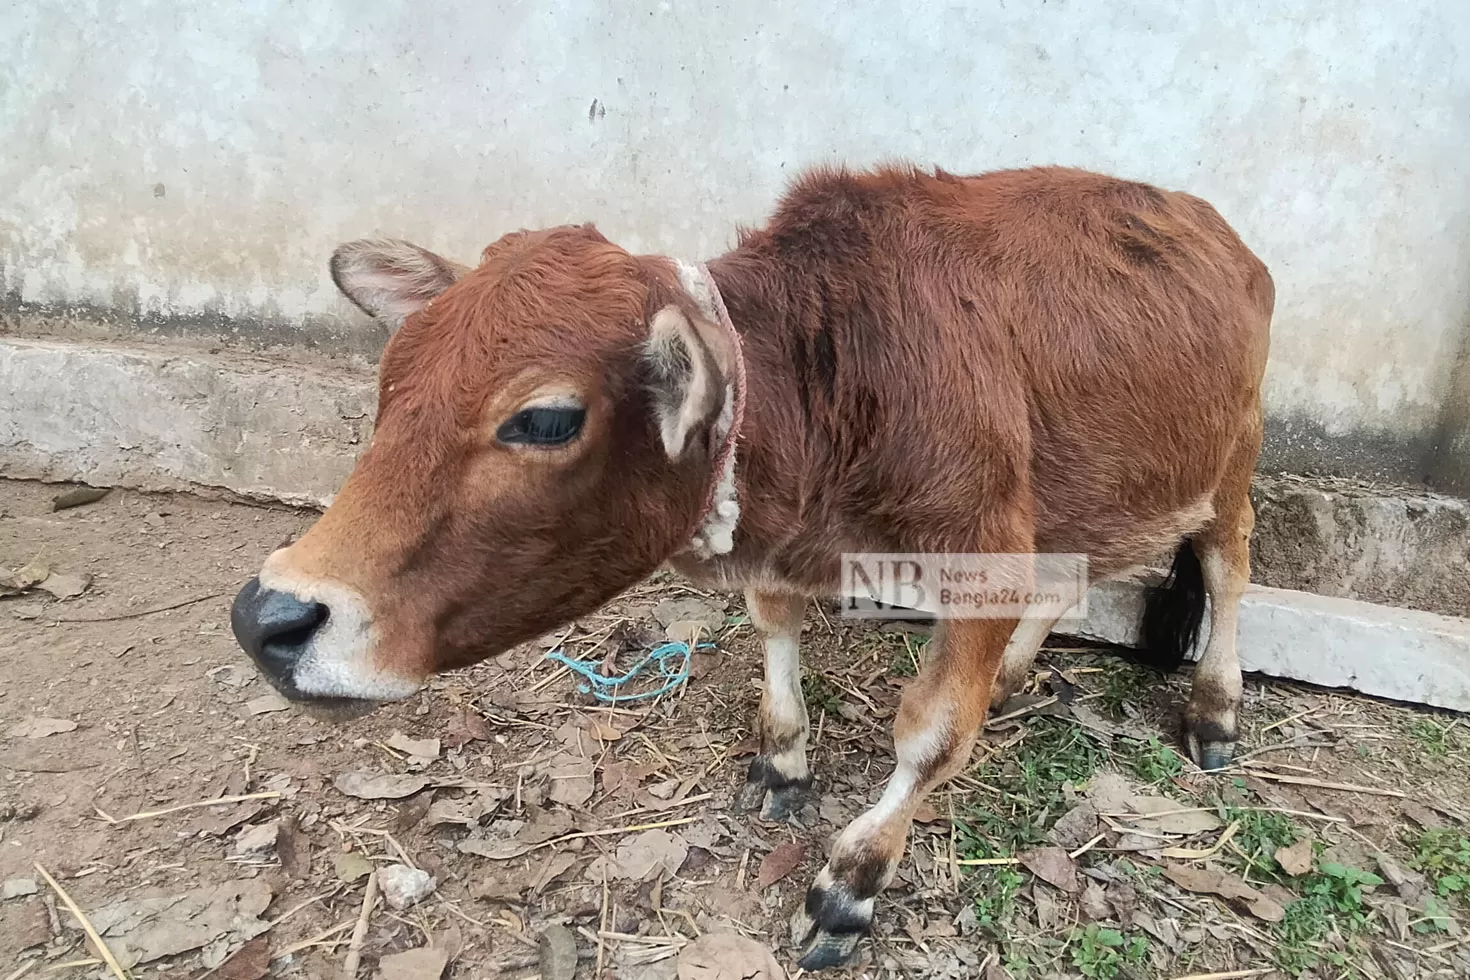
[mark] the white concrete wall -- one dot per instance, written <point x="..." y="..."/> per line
<point x="186" y="158"/>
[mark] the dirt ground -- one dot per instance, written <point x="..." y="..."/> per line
<point x="565" y="837"/>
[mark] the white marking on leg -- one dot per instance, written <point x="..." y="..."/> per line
<point x="1219" y="666"/>
<point x="917" y="753"/>
<point x="1030" y="633"/>
<point x="784" y="707"/>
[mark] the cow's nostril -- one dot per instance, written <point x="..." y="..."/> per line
<point x="274" y="627"/>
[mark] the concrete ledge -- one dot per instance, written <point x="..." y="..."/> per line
<point x="160" y="420"/>
<point x="1404" y="654"/>
<point x="1394" y="545"/>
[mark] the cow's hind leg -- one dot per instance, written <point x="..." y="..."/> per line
<point x="779" y="781"/>
<point x="938" y="720"/>
<point x="1021" y="649"/>
<point x="1223" y="547"/>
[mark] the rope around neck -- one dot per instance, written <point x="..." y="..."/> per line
<point x="714" y="531"/>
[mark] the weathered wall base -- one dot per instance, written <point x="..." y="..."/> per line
<point x="160" y="419"/>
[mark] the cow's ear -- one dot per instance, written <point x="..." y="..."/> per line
<point x="685" y="377"/>
<point x="389" y="279"/>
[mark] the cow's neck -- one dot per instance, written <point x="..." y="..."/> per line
<point x="766" y="476"/>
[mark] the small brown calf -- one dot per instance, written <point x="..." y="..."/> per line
<point x="1029" y="361"/>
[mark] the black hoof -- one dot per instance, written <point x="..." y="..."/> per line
<point x="782" y="804"/>
<point x="751" y="796"/>
<point x="1210" y="745"/>
<point x="827" y="950"/>
<point x="831" y="924"/>
<point x="773" y="795"/>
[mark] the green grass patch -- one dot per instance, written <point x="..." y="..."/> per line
<point x="1331" y="904"/>
<point x="820" y="694"/>
<point x="1102" y="953"/>
<point x="1444" y="857"/>
<point x="1258" y="838"/>
<point x="1030" y="782"/>
<point x="995" y="898"/>
<point x="1153" y="761"/>
<point x="1433" y="736"/>
<point x="1123" y="683"/>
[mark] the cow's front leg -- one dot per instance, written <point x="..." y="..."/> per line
<point x="938" y="720"/>
<point x="779" y="781"/>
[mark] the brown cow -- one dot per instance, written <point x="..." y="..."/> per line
<point x="1029" y="361"/>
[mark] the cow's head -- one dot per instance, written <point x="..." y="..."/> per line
<point x="543" y="442"/>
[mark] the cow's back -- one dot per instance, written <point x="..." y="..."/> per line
<point x="1088" y="347"/>
<point x="1137" y="324"/>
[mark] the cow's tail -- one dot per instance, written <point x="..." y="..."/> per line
<point x="1173" y="612"/>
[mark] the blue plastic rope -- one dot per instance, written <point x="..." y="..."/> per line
<point x="604" y="688"/>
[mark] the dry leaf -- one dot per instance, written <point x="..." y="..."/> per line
<point x="424" y="963"/>
<point x="725" y="956"/>
<point x="571" y="780"/>
<point x="1409" y="884"/>
<point x="687" y="631"/>
<point x="421" y="749"/>
<point x="250" y="962"/>
<point x="467" y="811"/>
<point x="266" y="703"/>
<point x="604" y="731"/>
<point x="77" y="496"/>
<point x="1297" y="859"/>
<point x="379" y="785"/>
<point x="556" y="866"/>
<point x="1076" y="827"/>
<point x="41" y="727"/>
<point x="470" y="726"/>
<point x="545" y="825"/>
<point x="1049" y="912"/>
<point x="778" y="864"/>
<point x="145" y="929"/>
<point x="643" y="856"/>
<point x="258" y="840"/>
<point x="622" y="778"/>
<point x="672" y="611"/>
<point x="66" y="586"/>
<point x="351" y="866"/>
<point x="1094" y="902"/>
<point x="1053" y="866"/>
<point x="294" y="849"/>
<point x="497" y="888"/>
<point x="26" y="577"/>
<point x="1170" y="816"/>
<point x="1208" y="881"/>
<point x="1109" y="792"/>
<point x="495" y="850"/>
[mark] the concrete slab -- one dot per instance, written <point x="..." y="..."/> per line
<point x="156" y="419"/>
<point x="1404" y="654"/>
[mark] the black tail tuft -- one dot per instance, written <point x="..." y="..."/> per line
<point x="1173" y="612"/>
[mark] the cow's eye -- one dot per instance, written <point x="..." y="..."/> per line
<point x="546" y="426"/>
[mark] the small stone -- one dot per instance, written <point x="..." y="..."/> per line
<point x="18" y="888"/>
<point x="404" y="887"/>
<point x="258" y="840"/>
<point x="557" y="953"/>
